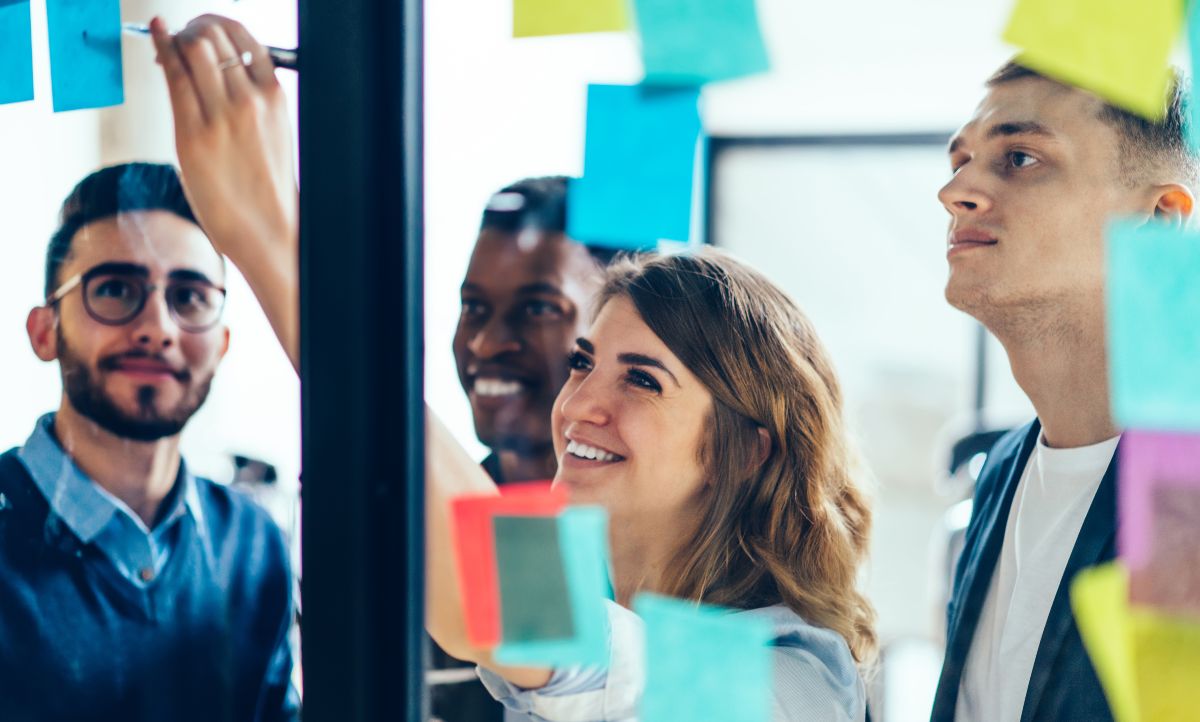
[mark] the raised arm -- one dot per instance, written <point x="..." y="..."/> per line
<point x="234" y="142"/>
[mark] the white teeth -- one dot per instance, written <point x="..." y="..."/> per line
<point x="583" y="451"/>
<point x="497" y="387"/>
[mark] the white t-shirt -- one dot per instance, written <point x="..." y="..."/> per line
<point x="1048" y="510"/>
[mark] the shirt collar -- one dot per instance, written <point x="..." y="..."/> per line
<point x="83" y="505"/>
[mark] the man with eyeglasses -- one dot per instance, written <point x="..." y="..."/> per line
<point x="129" y="588"/>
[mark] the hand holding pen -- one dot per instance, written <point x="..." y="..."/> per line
<point x="233" y="136"/>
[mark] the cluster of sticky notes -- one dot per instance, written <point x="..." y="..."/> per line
<point x="1140" y="617"/>
<point x="534" y="576"/>
<point x="644" y="150"/>
<point x="703" y="663"/>
<point x="1154" y="336"/>
<point x="1148" y="662"/>
<point x="85" y="53"/>
<point x="1118" y="49"/>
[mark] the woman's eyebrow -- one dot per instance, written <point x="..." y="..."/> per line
<point x="637" y="359"/>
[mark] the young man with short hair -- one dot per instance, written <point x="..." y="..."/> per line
<point x="129" y="588"/>
<point x="1038" y="172"/>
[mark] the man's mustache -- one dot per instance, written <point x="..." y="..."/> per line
<point x="113" y="362"/>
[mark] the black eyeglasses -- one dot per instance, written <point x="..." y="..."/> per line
<point x="115" y="298"/>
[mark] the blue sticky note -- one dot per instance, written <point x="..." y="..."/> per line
<point x="583" y="543"/>
<point x="704" y="664"/>
<point x="693" y="42"/>
<point x="1154" y="326"/>
<point x="16" y="52"/>
<point x="85" y="53"/>
<point x="638" y="169"/>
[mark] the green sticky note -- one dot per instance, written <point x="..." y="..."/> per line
<point x="583" y="544"/>
<point x="564" y="17"/>
<point x="693" y="42"/>
<point x="534" y="601"/>
<point x="1099" y="598"/>
<point x="1167" y="650"/>
<point x="1118" y="49"/>
<point x="1154" y="326"/>
<point x="704" y="664"/>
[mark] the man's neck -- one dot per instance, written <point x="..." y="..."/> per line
<point x="535" y="466"/>
<point x="1065" y="375"/>
<point x="139" y="473"/>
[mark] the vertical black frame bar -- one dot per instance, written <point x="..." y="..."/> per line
<point x="362" y="351"/>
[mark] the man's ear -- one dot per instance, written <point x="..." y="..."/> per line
<point x="1173" y="205"/>
<point x="42" y="326"/>
<point x="224" y="342"/>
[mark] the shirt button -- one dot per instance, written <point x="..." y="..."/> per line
<point x="147" y="574"/>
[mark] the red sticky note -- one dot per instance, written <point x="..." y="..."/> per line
<point x="475" y="549"/>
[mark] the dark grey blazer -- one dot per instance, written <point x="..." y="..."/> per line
<point x="1062" y="686"/>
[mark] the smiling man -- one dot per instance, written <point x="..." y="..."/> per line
<point x="526" y="297"/>
<point x="1037" y="173"/>
<point x="129" y="588"/>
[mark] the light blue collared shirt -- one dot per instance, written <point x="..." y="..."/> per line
<point x="97" y="517"/>
<point x="815" y="677"/>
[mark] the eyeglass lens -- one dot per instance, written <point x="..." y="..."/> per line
<point x="117" y="298"/>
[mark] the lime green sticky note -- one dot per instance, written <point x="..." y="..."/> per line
<point x="1100" y="600"/>
<point x="1118" y="49"/>
<point x="1167" y="650"/>
<point x="564" y="17"/>
<point x="704" y="664"/>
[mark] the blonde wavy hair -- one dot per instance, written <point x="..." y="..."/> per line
<point x="791" y="528"/>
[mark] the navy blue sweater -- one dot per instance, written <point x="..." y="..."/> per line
<point x="207" y="640"/>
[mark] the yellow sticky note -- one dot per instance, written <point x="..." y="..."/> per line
<point x="1167" y="654"/>
<point x="564" y="17"/>
<point x="1118" y="49"/>
<point x="1100" y="600"/>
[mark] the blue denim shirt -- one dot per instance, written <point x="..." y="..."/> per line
<point x="96" y="516"/>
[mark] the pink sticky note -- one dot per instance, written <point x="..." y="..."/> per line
<point x="475" y="549"/>
<point x="1150" y="461"/>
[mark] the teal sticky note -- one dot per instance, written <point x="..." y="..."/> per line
<point x="1154" y="326"/>
<point x="639" y="167"/>
<point x="704" y="664"/>
<point x="534" y="601"/>
<point x="693" y="42"/>
<point x="583" y="542"/>
<point x="16" y="52"/>
<point x="85" y="53"/>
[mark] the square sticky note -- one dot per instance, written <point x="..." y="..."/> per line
<point x="475" y="550"/>
<point x="85" y="53"/>
<point x="693" y="42"/>
<point x="704" y="664"/>
<point x="16" y="52"/>
<point x="563" y="17"/>
<point x="534" y="602"/>
<point x="1118" y="49"/>
<point x="583" y="544"/>
<point x="638" y="169"/>
<point x="1153" y="327"/>
<point x="1150" y="462"/>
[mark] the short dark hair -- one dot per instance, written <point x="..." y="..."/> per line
<point x="536" y="203"/>
<point x="108" y="192"/>
<point x="1143" y="143"/>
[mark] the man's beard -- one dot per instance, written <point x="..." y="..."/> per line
<point x="89" y="398"/>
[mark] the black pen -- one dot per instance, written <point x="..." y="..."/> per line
<point x="282" y="57"/>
